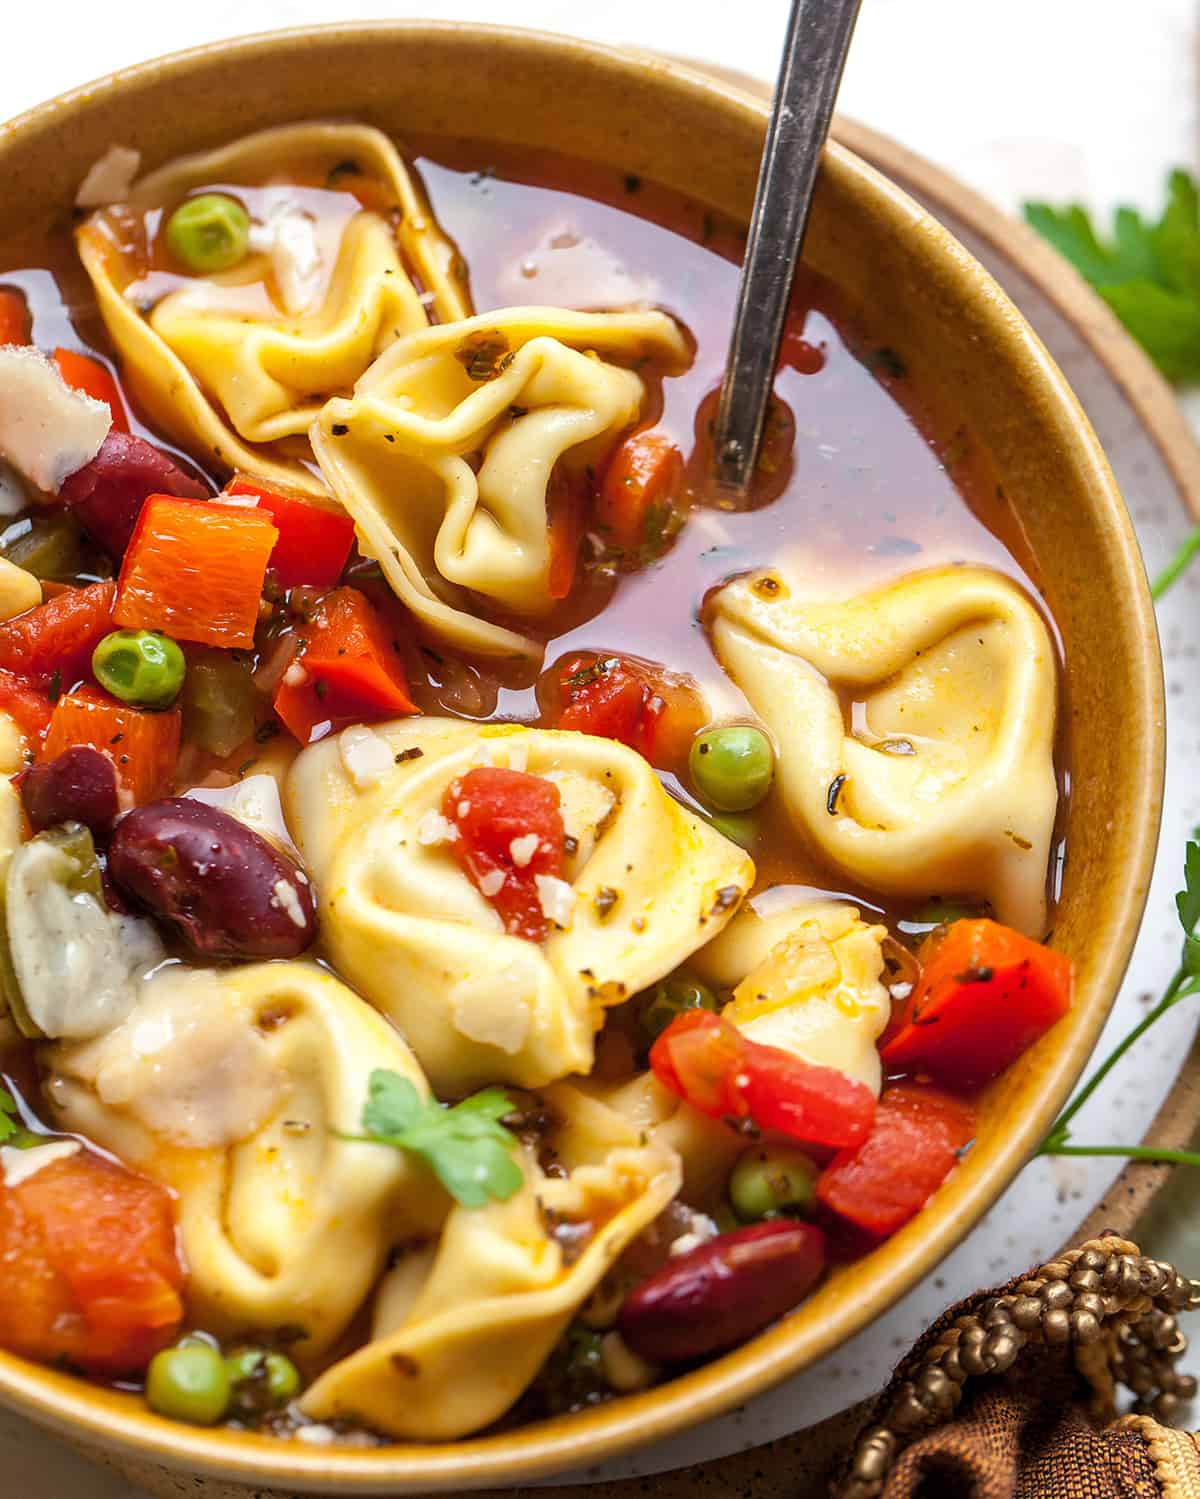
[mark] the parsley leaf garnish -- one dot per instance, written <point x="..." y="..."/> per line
<point x="466" y="1147"/>
<point x="1147" y="272"/>
<point x="12" y="1131"/>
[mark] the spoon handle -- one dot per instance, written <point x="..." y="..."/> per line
<point x="818" y="39"/>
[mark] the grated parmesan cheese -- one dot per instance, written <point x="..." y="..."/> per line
<point x="556" y="898"/>
<point x="284" y="897"/>
<point x="433" y="829"/>
<point x="367" y="757"/>
<point x="523" y="850"/>
<point x="295" y="676"/>
<point x="491" y="883"/>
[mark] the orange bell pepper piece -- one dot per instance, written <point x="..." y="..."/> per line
<point x="86" y="373"/>
<point x="194" y="570"/>
<point x="143" y="746"/>
<point x="14" y="316"/>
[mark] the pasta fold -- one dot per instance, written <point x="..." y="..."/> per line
<point x="236" y="365"/>
<point x="944" y="782"/>
<point x="446" y="452"/>
<point x="650" y="882"/>
<point x="462" y="1329"/>
<point x="227" y="1085"/>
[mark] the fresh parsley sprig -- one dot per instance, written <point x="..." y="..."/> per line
<point x="12" y="1131"/>
<point x="1184" y="982"/>
<point x="466" y="1147"/>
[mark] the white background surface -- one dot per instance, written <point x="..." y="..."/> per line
<point x="1088" y="99"/>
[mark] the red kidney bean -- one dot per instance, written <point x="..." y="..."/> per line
<point x="722" y="1292"/>
<point x="80" y="785"/>
<point x="106" y="494"/>
<point x="218" y="884"/>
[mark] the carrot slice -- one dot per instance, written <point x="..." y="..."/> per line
<point x="85" y="373"/>
<point x="194" y="570"/>
<point x="14" y="316"/>
<point x="564" y="519"/>
<point x="143" y="746"/>
<point x="640" y="484"/>
<point x="56" y="640"/>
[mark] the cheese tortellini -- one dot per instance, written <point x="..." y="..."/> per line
<point x="461" y="1328"/>
<point x="445" y="453"/>
<point x="650" y="883"/>
<point x="945" y="784"/>
<point x="228" y="1086"/>
<point x="237" y="364"/>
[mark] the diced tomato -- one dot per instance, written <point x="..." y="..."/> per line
<point x="56" y="640"/>
<point x="143" y="746"/>
<point x="314" y="540"/>
<point x="633" y="702"/>
<point x="26" y="704"/>
<point x="798" y="354"/>
<point x="985" y="994"/>
<point x="703" y="1058"/>
<point x="913" y="1146"/>
<point x="83" y="372"/>
<point x="14" y="316"/>
<point x="92" y="1276"/>
<point x="352" y="670"/>
<point x="565" y="513"/>
<point x="492" y="809"/>
<point x="194" y="570"/>
<point x="640" y="486"/>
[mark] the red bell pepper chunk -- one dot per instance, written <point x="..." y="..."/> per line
<point x="85" y="373"/>
<point x="707" y="1061"/>
<point x="913" y="1146"/>
<point x="492" y="809"/>
<point x="351" y="671"/>
<point x="633" y="702"/>
<point x="56" y="640"/>
<point x="26" y="704"/>
<point x="314" y="540"/>
<point x="14" y="316"/>
<point x="985" y="994"/>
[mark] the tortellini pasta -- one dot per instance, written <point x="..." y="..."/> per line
<point x="806" y="977"/>
<point x="227" y="1085"/>
<point x="462" y="1328"/>
<point x="404" y="924"/>
<point x="945" y="783"/>
<point x="445" y="453"/>
<point x="237" y="364"/>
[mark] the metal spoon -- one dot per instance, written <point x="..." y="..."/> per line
<point x="814" y="54"/>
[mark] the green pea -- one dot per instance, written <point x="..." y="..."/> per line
<point x="262" y="1380"/>
<point x="188" y="1383"/>
<point x="140" y="666"/>
<point x="209" y="233"/>
<point x="939" y="912"/>
<point x="732" y="767"/>
<point x="671" y="997"/>
<point x="772" y="1179"/>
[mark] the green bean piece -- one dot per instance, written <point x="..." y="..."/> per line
<point x="189" y="1383"/>
<point x="49" y="546"/>
<point x="770" y="1180"/>
<point x="140" y="666"/>
<point x="732" y="767"/>
<point x="671" y="997"/>
<point x="738" y="827"/>
<point x="209" y="233"/>
<point x="219" y="699"/>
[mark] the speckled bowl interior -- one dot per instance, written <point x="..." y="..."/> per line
<point x="949" y="319"/>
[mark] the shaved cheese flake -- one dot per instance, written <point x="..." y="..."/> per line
<point x="47" y="430"/>
<point x="433" y="829"/>
<point x="13" y="498"/>
<point x="289" y="237"/>
<point x="556" y="898"/>
<point x="285" y="899"/>
<point x="365" y="755"/>
<point x="110" y="178"/>
<point x="523" y="850"/>
<point x="19" y="1165"/>
<point x="491" y="883"/>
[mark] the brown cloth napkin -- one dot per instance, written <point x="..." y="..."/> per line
<point x="1012" y="1393"/>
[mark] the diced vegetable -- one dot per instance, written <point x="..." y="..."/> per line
<point x="314" y="540"/>
<point x="219" y="699"/>
<point x="768" y="1180"/>
<point x="732" y="767"/>
<point x="641" y="483"/>
<point x="189" y="1382"/>
<point x="985" y="994"/>
<point x="79" y="786"/>
<point x="107" y="494"/>
<point x="195" y="570"/>
<point x="91" y="1271"/>
<point x="913" y="1146"/>
<point x="47" y="544"/>
<point x="140" y="666"/>
<point x="26" y="704"/>
<point x="14" y="316"/>
<point x="707" y="1061"/>
<point x="673" y="996"/>
<point x="798" y="354"/>
<point x="565" y="523"/>
<point x="350" y="670"/>
<point x="510" y="835"/>
<point x="209" y="233"/>
<point x="85" y="373"/>
<point x="143" y="746"/>
<point x="262" y="1381"/>
<point x="55" y="641"/>
<point x="630" y="701"/>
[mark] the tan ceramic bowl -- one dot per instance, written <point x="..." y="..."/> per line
<point x="948" y="318"/>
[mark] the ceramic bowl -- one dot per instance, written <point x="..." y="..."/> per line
<point x="947" y="317"/>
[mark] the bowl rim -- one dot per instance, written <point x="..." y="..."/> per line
<point x="564" y="1445"/>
